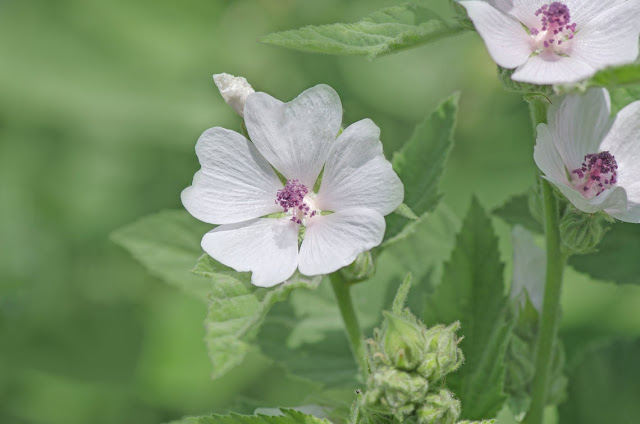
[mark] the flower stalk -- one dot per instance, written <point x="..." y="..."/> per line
<point x="556" y="260"/>
<point x="342" y="291"/>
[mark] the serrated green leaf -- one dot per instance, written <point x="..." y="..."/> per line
<point x="420" y="165"/>
<point x="289" y="417"/>
<point x="516" y="211"/>
<point x="383" y="32"/>
<point x="237" y="309"/>
<point x="622" y="96"/>
<point x="168" y="245"/>
<point x="472" y="291"/>
<point x="617" y="257"/>
<point x="604" y="387"/>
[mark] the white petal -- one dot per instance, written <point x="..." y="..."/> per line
<point x="295" y="137"/>
<point x="612" y="199"/>
<point x="632" y="212"/>
<point x="507" y="41"/>
<point x="234" y="90"/>
<point x="358" y="175"/>
<point x="265" y="246"/>
<point x="549" y="68"/>
<point x="584" y="12"/>
<point x="623" y="142"/>
<point x="547" y="157"/>
<point x="235" y="182"/>
<point x="610" y="38"/>
<point x="525" y="12"/>
<point x="578" y="125"/>
<point x="334" y="241"/>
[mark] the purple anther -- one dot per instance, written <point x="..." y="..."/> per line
<point x="598" y="173"/>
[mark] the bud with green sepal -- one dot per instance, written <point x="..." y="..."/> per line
<point x="440" y="408"/>
<point x="395" y="392"/>
<point x="403" y="342"/>
<point x="442" y="354"/>
<point x="361" y="269"/>
<point x="582" y="232"/>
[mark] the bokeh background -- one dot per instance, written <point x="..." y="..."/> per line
<point x="101" y="103"/>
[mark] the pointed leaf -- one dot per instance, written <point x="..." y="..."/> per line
<point x="472" y="291"/>
<point x="516" y="211"/>
<point x="383" y="32"/>
<point x="168" y="245"/>
<point x="420" y="165"/>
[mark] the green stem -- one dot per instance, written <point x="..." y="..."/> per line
<point x="342" y="290"/>
<point x="556" y="260"/>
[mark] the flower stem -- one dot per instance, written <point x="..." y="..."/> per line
<point x="342" y="290"/>
<point x="556" y="260"/>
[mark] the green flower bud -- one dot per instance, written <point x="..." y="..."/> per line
<point x="440" y="408"/>
<point x="443" y="355"/>
<point x="581" y="232"/>
<point x="395" y="392"/>
<point x="361" y="269"/>
<point x="403" y="342"/>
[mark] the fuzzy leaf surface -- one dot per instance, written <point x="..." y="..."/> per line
<point x="289" y="417"/>
<point x="168" y="245"/>
<point x="383" y="32"/>
<point x="237" y="309"/>
<point x="472" y="291"/>
<point x="420" y="165"/>
<point x="515" y="211"/>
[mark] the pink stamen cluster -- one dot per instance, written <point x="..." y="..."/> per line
<point x="292" y="197"/>
<point x="555" y="21"/>
<point x="598" y="173"/>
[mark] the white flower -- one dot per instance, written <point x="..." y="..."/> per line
<point x="592" y="158"/>
<point x="234" y="90"/>
<point x="237" y="187"/>
<point x="557" y="42"/>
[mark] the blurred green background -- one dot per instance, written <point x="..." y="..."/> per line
<point x="101" y="103"/>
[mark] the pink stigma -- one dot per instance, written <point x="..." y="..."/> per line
<point x="291" y="197"/>
<point x="598" y="173"/>
<point x="555" y="25"/>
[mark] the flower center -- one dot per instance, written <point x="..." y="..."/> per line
<point x="296" y="200"/>
<point x="555" y="28"/>
<point x="598" y="173"/>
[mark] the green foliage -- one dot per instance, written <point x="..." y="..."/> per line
<point x="472" y="291"/>
<point x="622" y="96"/>
<point x="383" y="32"/>
<point x="237" y="309"/>
<point x="288" y="416"/>
<point x="604" y="387"/>
<point x="622" y="75"/>
<point x="517" y="211"/>
<point x="617" y="257"/>
<point x="168" y="245"/>
<point x="420" y="164"/>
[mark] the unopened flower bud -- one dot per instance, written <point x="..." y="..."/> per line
<point x="404" y="342"/>
<point x="443" y="355"/>
<point x="395" y="392"/>
<point x="234" y="91"/>
<point x="362" y="268"/>
<point x="581" y="232"/>
<point x="440" y="408"/>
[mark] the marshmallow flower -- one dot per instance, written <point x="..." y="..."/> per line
<point x="260" y="218"/>
<point x="592" y="158"/>
<point x="559" y="42"/>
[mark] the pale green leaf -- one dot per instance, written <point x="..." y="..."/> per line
<point x="385" y="31"/>
<point x="288" y="416"/>
<point x="420" y="165"/>
<point x="472" y="291"/>
<point x="617" y="257"/>
<point x="168" y="245"/>
<point x="236" y="311"/>
<point x="516" y="211"/>
<point x="627" y="74"/>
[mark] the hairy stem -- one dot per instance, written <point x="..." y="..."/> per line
<point x="342" y="290"/>
<point x="556" y="260"/>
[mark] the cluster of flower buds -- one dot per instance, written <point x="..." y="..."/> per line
<point x="581" y="233"/>
<point x="408" y="362"/>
